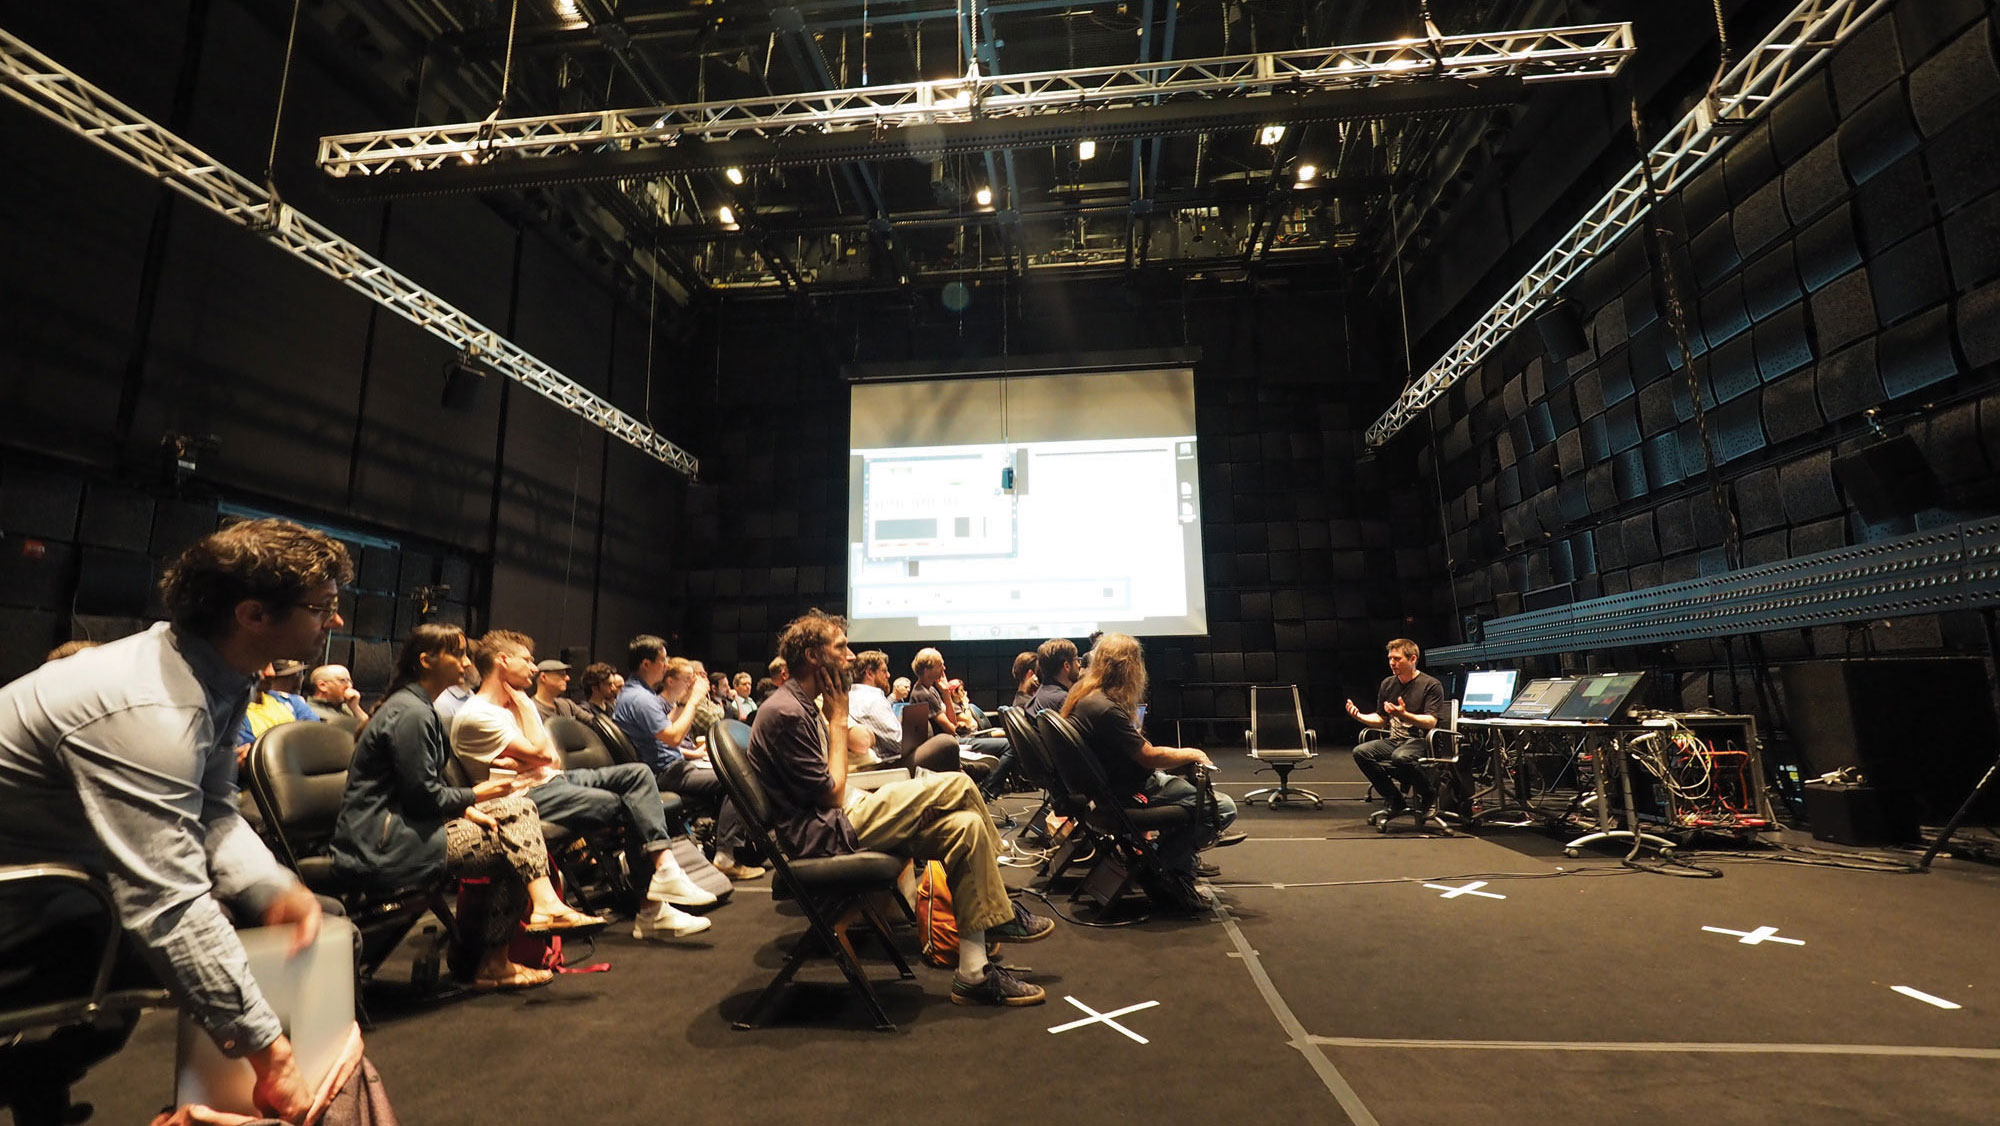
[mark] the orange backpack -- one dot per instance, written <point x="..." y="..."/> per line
<point x="935" y="921"/>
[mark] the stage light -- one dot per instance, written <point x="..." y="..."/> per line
<point x="1307" y="172"/>
<point x="1271" y="135"/>
<point x="984" y="197"/>
<point x="1086" y="149"/>
<point x="727" y="214"/>
<point x="735" y="175"/>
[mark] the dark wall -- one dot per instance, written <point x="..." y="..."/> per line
<point x="1314" y="556"/>
<point x="128" y="313"/>
<point x="1841" y="259"/>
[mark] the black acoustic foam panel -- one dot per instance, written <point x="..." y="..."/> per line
<point x="1827" y="248"/>
<point x="1596" y="442"/>
<point x="1867" y="62"/>
<point x="1876" y="134"/>
<point x="117" y="518"/>
<point x="1662" y="455"/>
<point x="1771" y="547"/>
<point x="1628" y="474"/>
<point x="1656" y="408"/>
<point x="1771" y="283"/>
<point x="1749" y="164"/>
<point x="1917" y="353"/>
<point x="1978" y="321"/>
<point x="1641" y="544"/>
<point x="1704" y="200"/>
<point x="1802" y="119"/>
<point x="1818" y="536"/>
<point x="1950" y="441"/>
<point x="1961" y="160"/>
<point x="1925" y="27"/>
<point x="114" y="583"/>
<point x="1732" y="369"/>
<point x="1843" y="311"/>
<point x="1790" y="407"/>
<point x="1601" y="489"/>
<point x="1782" y="344"/>
<point x="1715" y="254"/>
<point x="1621" y="424"/>
<point x="1849" y="382"/>
<point x="1887" y="479"/>
<point x="1760" y="506"/>
<point x="1973" y="238"/>
<point x="1760" y="220"/>
<point x="1737" y="427"/>
<point x="35" y="503"/>
<point x="1694" y="459"/>
<point x="1806" y="486"/>
<point x="179" y="523"/>
<point x="1814" y="183"/>
<point x="1676" y="527"/>
<point x="1723" y="313"/>
<point x="1892" y="206"/>
<point x="1908" y="276"/>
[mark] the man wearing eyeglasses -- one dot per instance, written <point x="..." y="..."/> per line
<point x="120" y="760"/>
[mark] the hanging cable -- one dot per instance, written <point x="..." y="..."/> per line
<point x="507" y="62"/>
<point x="284" y="85"/>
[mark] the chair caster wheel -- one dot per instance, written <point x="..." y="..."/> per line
<point x="1571" y="853"/>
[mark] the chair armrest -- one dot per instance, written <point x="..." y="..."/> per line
<point x="57" y="877"/>
<point x="1312" y="741"/>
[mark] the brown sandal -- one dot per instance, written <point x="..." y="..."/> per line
<point x="523" y="977"/>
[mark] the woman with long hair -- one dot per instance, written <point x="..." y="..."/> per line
<point x="1102" y="704"/>
<point x="402" y="825"/>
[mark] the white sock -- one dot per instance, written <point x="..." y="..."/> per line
<point x="666" y="864"/>
<point x="971" y="955"/>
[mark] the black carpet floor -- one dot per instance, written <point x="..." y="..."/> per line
<point x="1333" y="986"/>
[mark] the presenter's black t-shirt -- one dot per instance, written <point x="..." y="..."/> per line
<point x="1423" y="695"/>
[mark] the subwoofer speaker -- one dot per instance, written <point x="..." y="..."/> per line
<point x="1887" y="480"/>
<point x="1561" y="328"/>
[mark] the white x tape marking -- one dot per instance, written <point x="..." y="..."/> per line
<point x="1753" y="938"/>
<point x="1469" y="889"/>
<point x="1096" y="1017"/>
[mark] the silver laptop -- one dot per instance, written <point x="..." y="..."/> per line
<point x="313" y="994"/>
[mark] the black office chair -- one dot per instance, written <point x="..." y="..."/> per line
<point x="1279" y="738"/>
<point x="52" y="1031"/>
<point x="298" y="775"/>
<point x="827" y="888"/>
<point x="1130" y="858"/>
<point x="1445" y="769"/>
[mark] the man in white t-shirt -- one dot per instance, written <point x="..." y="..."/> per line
<point x="499" y="734"/>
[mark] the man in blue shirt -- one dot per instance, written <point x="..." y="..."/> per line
<point x="662" y="743"/>
<point x="121" y="760"/>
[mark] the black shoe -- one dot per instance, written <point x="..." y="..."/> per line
<point x="1025" y="926"/>
<point x="1206" y="870"/>
<point x="1233" y="837"/>
<point x="997" y="987"/>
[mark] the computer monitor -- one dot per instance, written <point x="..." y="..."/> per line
<point x="1488" y="691"/>
<point x="1539" y="698"/>
<point x="1598" y="698"/>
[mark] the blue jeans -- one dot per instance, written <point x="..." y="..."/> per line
<point x="1178" y="846"/>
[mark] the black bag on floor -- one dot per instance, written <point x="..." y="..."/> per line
<point x="705" y="875"/>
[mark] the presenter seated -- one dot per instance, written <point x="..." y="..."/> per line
<point x="1407" y="707"/>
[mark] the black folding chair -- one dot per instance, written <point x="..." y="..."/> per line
<point x="1037" y="765"/>
<point x="827" y="888"/>
<point x="1130" y="856"/>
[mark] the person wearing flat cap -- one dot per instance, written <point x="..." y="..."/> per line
<point x="551" y="691"/>
<point x="276" y="701"/>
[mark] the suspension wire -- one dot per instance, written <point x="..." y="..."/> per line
<point x="507" y="63"/>
<point x="1728" y="57"/>
<point x="284" y="85"/>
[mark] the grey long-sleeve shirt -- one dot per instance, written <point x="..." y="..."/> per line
<point x="120" y="760"/>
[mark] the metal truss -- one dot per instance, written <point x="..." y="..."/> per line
<point x="1802" y="40"/>
<point x="1929" y="572"/>
<point x="38" y="82"/>
<point x="1548" y="54"/>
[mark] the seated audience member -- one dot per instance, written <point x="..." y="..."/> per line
<point x="933" y="689"/>
<point x="899" y="690"/>
<point x="935" y="817"/>
<point x="69" y="649"/>
<point x="1102" y="705"/>
<point x="334" y="694"/>
<point x="552" y="691"/>
<point x="1407" y="707"/>
<point x="121" y="761"/>
<point x="274" y="703"/>
<point x="868" y="704"/>
<point x="600" y="684"/>
<point x="453" y="698"/>
<point x="664" y="744"/>
<point x="778" y="671"/>
<point x="762" y="692"/>
<point x="1025" y="679"/>
<point x="745" y="705"/>
<point x="402" y="826"/>
<point x="708" y="708"/>
<point x="1057" y="666"/>
<point x="498" y="734"/>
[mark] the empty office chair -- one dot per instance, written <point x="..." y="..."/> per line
<point x="298" y="774"/>
<point x="52" y="1030"/>
<point x="1279" y="738"/>
<point x="1444" y="766"/>
<point x="827" y="888"/>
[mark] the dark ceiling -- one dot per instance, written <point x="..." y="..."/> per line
<point x="1215" y="201"/>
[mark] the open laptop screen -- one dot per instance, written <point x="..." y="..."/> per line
<point x="1598" y="697"/>
<point x="1540" y="698"/>
<point x="1488" y="691"/>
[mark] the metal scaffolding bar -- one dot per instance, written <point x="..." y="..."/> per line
<point x="39" y="83"/>
<point x="1803" y="39"/>
<point x="1542" y="55"/>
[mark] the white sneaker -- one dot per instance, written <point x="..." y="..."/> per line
<point x="666" y="923"/>
<point x="674" y="886"/>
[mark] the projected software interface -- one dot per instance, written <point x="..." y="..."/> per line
<point x="1026" y="539"/>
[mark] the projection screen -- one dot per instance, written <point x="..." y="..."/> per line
<point x="1024" y="507"/>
